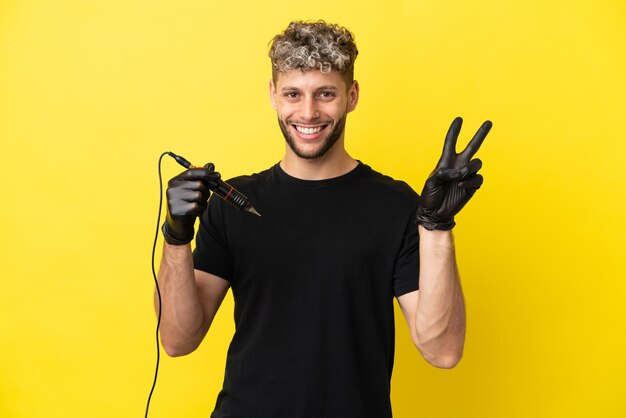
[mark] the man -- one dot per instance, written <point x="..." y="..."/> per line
<point x="314" y="278"/>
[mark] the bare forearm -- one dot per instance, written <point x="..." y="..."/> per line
<point x="182" y="320"/>
<point x="440" y="314"/>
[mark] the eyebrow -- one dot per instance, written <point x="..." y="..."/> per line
<point x="327" y="87"/>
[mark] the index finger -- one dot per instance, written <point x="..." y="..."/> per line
<point x="449" y="146"/>
<point x="202" y="174"/>
<point x="476" y="142"/>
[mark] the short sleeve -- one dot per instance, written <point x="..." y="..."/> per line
<point x="211" y="254"/>
<point x="406" y="271"/>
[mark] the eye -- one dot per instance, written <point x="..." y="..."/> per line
<point x="290" y="94"/>
<point x="327" y="94"/>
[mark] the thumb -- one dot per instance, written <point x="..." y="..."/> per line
<point x="209" y="166"/>
<point x="444" y="175"/>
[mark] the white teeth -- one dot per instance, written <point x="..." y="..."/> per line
<point x="308" y="131"/>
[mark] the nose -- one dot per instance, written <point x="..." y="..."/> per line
<point x="309" y="109"/>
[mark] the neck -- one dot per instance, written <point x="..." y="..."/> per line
<point x="336" y="162"/>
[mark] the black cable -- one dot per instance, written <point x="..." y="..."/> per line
<point x="156" y="282"/>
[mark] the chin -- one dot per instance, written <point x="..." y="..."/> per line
<point x="323" y="144"/>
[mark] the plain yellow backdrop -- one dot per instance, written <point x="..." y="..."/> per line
<point x="91" y="92"/>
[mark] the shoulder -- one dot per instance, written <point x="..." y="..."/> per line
<point x="388" y="186"/>
<point x="250" y="181"/>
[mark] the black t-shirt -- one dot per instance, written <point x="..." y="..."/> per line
<point x="313" y="282"/>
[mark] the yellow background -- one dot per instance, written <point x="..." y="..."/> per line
<point x="91" y="92"/>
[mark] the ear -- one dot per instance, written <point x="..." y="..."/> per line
<point x="273" y="94"/>
<point x="353" y="96"/>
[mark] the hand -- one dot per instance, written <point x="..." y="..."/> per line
<point x="453" y="182"/>
<point x="187" y="196"/>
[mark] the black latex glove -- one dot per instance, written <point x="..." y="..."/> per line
<point x="453" y="182"/>
<point x="187" y="196"/>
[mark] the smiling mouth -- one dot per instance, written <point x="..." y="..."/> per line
<point x="309" y="130"/>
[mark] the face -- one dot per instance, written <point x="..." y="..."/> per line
<point x="312" y="109"/>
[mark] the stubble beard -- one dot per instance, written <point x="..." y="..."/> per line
<point x="328" y="143"/>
